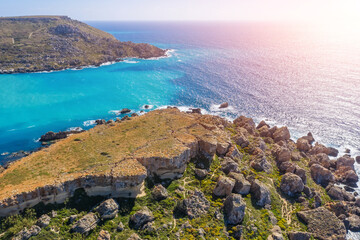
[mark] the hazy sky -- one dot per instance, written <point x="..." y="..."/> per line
<point x="227" y="10"/>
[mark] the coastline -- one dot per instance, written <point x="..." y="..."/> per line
<point x="167" y="54"/>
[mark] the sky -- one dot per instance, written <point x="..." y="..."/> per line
<point x="189" y="10"/>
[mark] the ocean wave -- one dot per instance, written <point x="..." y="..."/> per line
<point x="89" y="123"/>
<point x="130" y="61"/>
<point x="74" y="129"/>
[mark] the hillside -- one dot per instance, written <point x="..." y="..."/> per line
<point x="174" y="175"/>
<point x="44" y="43"/>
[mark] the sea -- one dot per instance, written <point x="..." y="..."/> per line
<point x="304" y="76"/>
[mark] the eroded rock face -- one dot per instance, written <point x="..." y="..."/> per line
<point x="318" y="224"/>
<point x="260" y="193"/>
<point x="229" y="165"/>
<point x="140" y="218"/>
<point x="86" y="224"/>
<point x="195" y="205"/>
<point x="291" y="184"/>
<point x="234" y="208"/>
<point x="107" y="209"/>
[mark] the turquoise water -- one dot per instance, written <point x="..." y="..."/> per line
<point x="33" y="104"/>
<point x="307" y="78"/>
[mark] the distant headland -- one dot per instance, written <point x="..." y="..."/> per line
<point x="50" y="43"/>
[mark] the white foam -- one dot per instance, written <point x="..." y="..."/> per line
<point x="75" y="129"/>
<point x="168" y="53"/>
<point x="130" y="61"/>
<point x="216" y="108"/>
<point x="88" y="123"/>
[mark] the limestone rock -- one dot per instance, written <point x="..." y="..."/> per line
<point x="86" y="224"/>
<point x="107" y="209"/>
<point x="319" y="148"/>
<point x="333" y="152"/>
<point x="120" y="227"/>
<point x="321" y="175"/>
<point x="27" y="233"/>
<point x="283" y="155"/>
<point x="234" y="209"/>
<point x="260" y="193"/>
<point x="337" y="193"/>
<point x="195" y="205"/>
<point x="262" y="124"/>
<point x="241" y="140"/>
<point x="140" y="218"/>
<point x="318" y="224"/>
<point x="159" y="192"/>
<point x="242" y="186"/>
<point x="353" y="222"/>
<point x="291" y="184"/>
<point x="104" y="235"/>
<point x="287" y="167"/>
<point x="357" y="159"/>
<point x="261" y="164"/>
<point x="224" y="186"/>
<point x="43" y="221"/>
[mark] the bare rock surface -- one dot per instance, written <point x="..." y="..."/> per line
<point x="195" y="205"/>
<point x="85" y="224"/>
<point x="140" y="218"/>
<point x="234" y="208"/>
<point x="107" y="209"/>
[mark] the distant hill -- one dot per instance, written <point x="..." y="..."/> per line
<point x="43" y="43"/>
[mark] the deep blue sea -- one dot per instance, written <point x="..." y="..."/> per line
<point x="302" y="76"/>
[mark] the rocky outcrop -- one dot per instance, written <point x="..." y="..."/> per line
<point x="26" y="233"/>
<point x="234" y="209"/>
<point x="317" y="221"/>
<point x="224" y="105"/>
<point x="43" y="221"/>
<point x="299" y="235"/>
<point x="140" y="218"/>
<point x="195" y="205"/>
<point x="52" y="136"/>
<point x="104" y="235"/>
<point x="107" y="209"/>
<point x="86" y="224"/>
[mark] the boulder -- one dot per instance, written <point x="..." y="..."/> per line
<point x="261" y="164"/>
<point x="100" y="122"/>
<point x="196" y="110"/>
<point x="283" y="155"/>
<point x="27" y="233"/>
<point x="321" y="158"/>
<point x="104" y="235"/>
<point x="276" y="234"/>
<point x="224" y="105"/>
<point x="303" y="145"/>
<point x="85" y="224"/>
<point x="200" y="173"/>
<point x="195" y="205"/>
<point x="107" y="209"/>
<point x="260" y="193"/>
<point x="243" y="121"/>
<point x="321" y="175"/>
<point x="125" y="110"/>
<point x="224" y="186"/>
<point x="345" y="162"/>
<point x="299" y="235"/>
<point x="281" y="134"/>
<point x="140" y="218"/>
<point x="287" y="167"/>
<point x="264" y="132"/>
<point x="333" y="152"/>
<point x="262" y="124"/>
<point x="234" y="153"/>
<point x="222" y="148"/>
<point x="291" y="184"/>
<point x="242" y="186"/>
<point x="319" y="148"/>
<point x="229" y="165"/>
<point x="357" y="159"/>
<point x="159" y="192"/>
<point x="234" y="209"/>
<point x="317" y="221"/>
<point x="350" y="177"/>
<point x="43" y="221"/>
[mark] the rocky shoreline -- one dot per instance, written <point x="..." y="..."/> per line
<point x="258" y="170"/>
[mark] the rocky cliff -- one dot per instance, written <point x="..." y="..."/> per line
<point x="46" y="43"/>
<point x="176" y="175"/>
